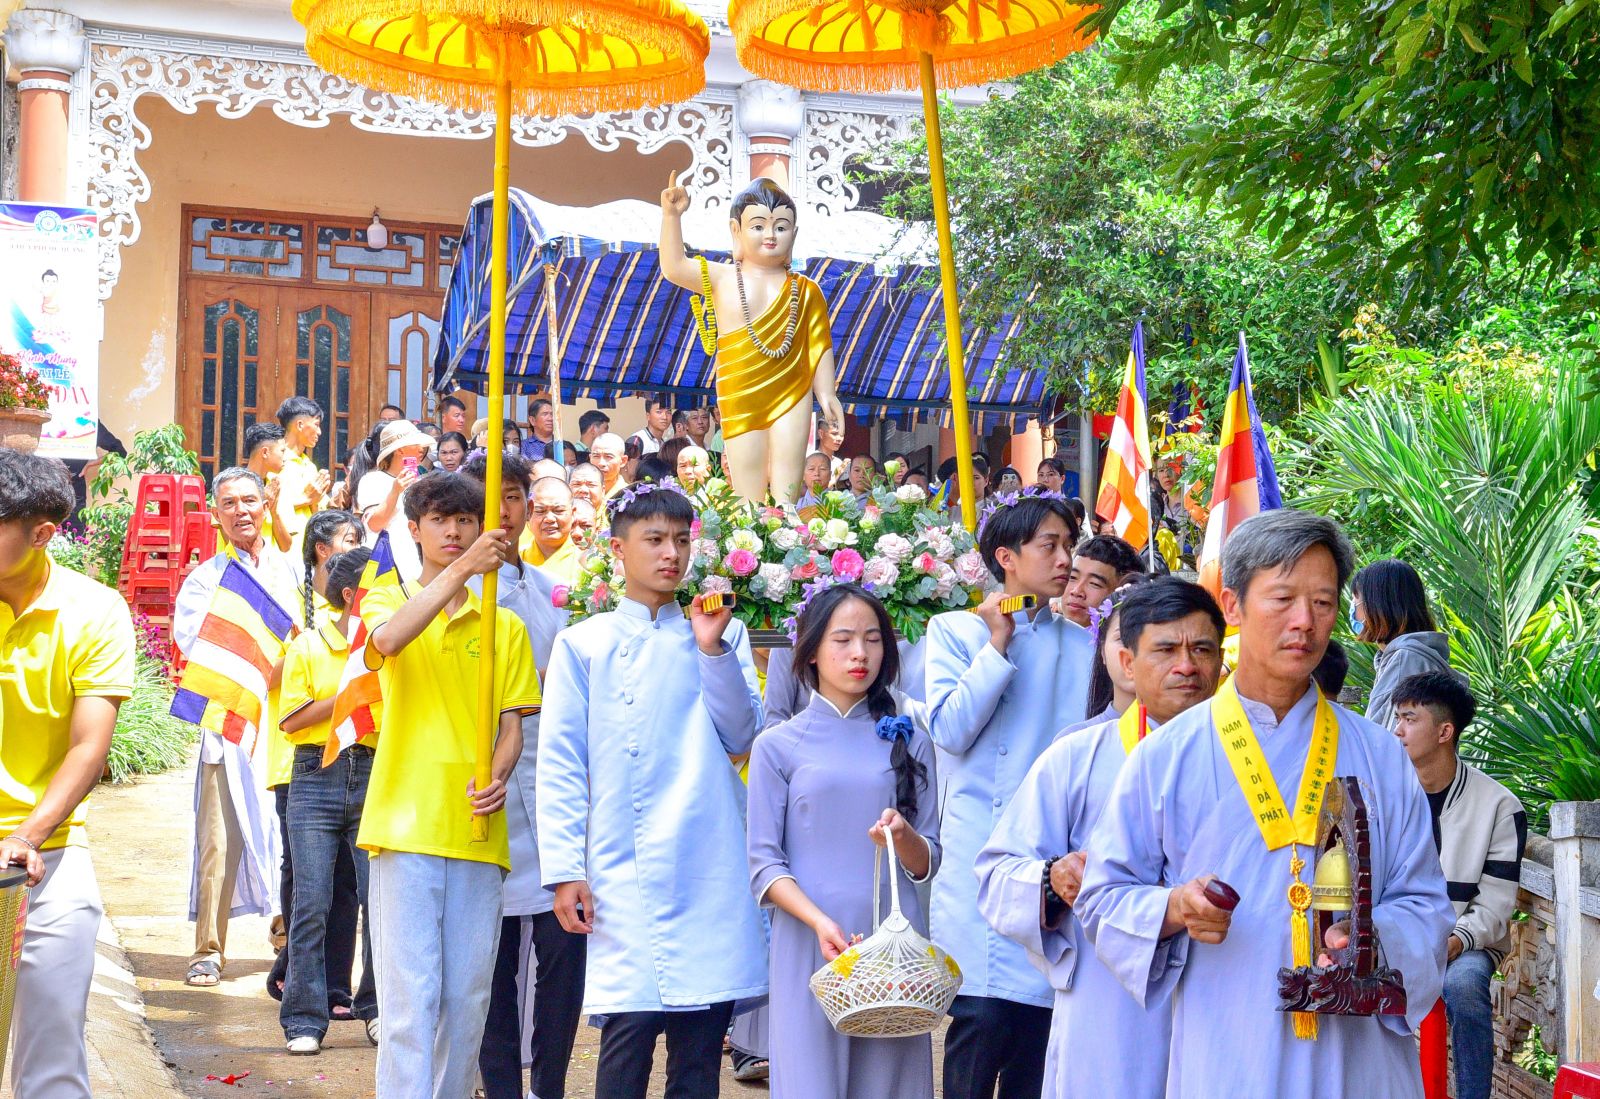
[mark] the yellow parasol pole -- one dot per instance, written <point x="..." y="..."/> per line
<point x="488" y="717"/>
<point x="952" y="304"/>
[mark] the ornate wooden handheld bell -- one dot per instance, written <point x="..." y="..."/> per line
<point x="1355" y="984"/>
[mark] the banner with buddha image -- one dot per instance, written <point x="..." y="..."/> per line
<point x="50" y="314"/>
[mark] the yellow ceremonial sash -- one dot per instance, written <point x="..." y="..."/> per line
<point x="1132" y="727"/>
<point x="1278" y="827"/>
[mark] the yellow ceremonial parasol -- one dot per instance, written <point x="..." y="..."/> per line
<point x="886" y="45"/>
<point x="546" y="57"/>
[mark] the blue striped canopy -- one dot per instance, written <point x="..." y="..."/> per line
<point x="624" y="329"/>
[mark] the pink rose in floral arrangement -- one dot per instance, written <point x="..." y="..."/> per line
<point x="872" y="513"/>
<point x="600" y="596"/>
<point x="944" y="580"/>
<point x="560" y="596"/>
<point x="805" y="570"/>
<point x="716" y="584"/>
<point x="926" y="563"/>
<point x="847" y="564"/>
<point x="742" y="562"/>
<point x="971" y="569"/>
<point x="893" y="548"/>
<point x="694" y="528"/>
<point x="881" y="573"/>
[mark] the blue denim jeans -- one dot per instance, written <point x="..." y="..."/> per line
<point x="1471" y="1018"/>
<point x="324" y="815"/>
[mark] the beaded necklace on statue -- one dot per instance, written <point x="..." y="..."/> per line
<point x="749" y="325"/>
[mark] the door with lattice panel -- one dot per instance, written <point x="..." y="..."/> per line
<point x="227" y="375"/>
<point x="322" y="354"/>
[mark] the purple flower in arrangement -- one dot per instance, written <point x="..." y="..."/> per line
<point x="847" y="564"/>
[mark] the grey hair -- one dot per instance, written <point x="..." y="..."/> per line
<point x="1277" y="540"/>
<point x="234" y="473"/>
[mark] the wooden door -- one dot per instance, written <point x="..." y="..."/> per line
<point x="226" y="378"/>
<point x="322" y="354"/>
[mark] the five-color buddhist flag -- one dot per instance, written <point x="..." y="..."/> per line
<point x="358" y="705"/>
<point x="223" y="687"/>
<point x="1246" y="483"/>
<point x="1124" y="499"/>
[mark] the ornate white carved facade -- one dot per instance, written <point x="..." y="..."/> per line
<point x="237" y="78"/>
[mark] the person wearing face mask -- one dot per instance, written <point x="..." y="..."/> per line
<point x="1389" y="608"/>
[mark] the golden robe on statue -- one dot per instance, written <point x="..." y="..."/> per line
<point x="753" y="391"/>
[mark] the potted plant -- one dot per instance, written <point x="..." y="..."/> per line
<point x="24" y="404"/>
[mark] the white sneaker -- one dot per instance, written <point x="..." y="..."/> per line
<point x="305" y="1045"/>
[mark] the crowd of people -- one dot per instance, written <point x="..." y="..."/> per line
<point x="682" y="830"/>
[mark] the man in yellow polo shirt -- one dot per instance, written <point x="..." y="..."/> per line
<point x="304" y="487"/>
<point x="66" y="664"/>
<point x="435" y="894"/>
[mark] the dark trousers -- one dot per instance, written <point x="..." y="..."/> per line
<point x="694" y="1052"/>
<point x="995" y="1042"/>
<point x="324" y="816"/>
<point x="340" y="949"/>
<point x="556" y="986"/>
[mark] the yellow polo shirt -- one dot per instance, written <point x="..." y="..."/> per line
<point x="417" y="797"/>
<point x="75" y="639"/>
<point x="298" y="472"/>
<point x="562" y="564"/>
<point x="312" y="668"/>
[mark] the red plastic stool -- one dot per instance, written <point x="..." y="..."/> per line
<point x="1578" y="1081"/>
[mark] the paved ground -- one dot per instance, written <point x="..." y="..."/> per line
<point x="141" y="836"/>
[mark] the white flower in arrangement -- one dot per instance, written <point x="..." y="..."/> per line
<point x="743" y="539"/>
<point x="775" y="578"/>
<point x="894" y="548"/>
<point x="705" y="550"/>
<point x="716" y="584"/>
<point x="910" y="494"/>
<point x="837" y="533"/>
<point x="880" y="572"/>
<point x="938" y="539"/>
<point x="970" y="568"/>
<point x="944" y="580"/>
<point x="785" y="539"/>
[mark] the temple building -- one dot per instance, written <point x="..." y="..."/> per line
<point x="238" y="188"/>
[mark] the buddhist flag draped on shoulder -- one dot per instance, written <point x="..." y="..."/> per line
<point x="1246" y="483"/>
<point x="358" y="706"/>
<point x="223" y="687"/>
<point x="1124" y="499"/>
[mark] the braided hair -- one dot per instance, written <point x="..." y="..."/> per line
<point x="910" y="773"/>
<point x="321" y="530"/>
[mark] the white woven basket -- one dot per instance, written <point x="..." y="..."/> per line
<point x="893" y="984"/>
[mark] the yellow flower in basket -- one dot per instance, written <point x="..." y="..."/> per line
<point x="845" y="964"/>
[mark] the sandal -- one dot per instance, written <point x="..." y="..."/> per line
<point x="204" y="974"/>
<point x="341" y="1013"/>
<point x="372" y="1031"/>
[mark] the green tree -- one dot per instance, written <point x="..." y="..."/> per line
<point x="1413" y="149"/>
<point x="1060" y="210"/>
